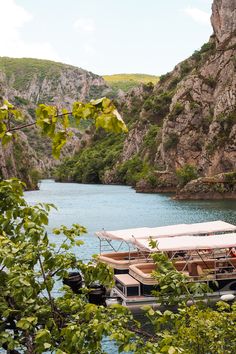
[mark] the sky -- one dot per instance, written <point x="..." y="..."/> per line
<point x="106" y="36"/>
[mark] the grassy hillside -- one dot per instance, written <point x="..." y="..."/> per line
<point x="23" y="70"/>
<point x="125" y="82"/>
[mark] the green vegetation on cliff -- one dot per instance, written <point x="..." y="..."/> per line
<point x="90" y="164"/>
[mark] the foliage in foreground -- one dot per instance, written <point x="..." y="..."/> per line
<point x="181" y="328"/>
<point x="32" y="318"/>
<point x="38" y="317"/>
<point x="56" y="124"/>
<point x="193" y="330"/>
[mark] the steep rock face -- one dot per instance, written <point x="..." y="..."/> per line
<point x="206" y="124"/>
<point x="223" y="19"/>
<point x="20" y="160"/>
<point x="195" y="105"/>
<point x="28" y="82"/>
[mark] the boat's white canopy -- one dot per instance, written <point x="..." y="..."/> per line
<point x="129" y="235"/>
<point x="124" y="235"/>
<point x="209" y="227"/>
<point x="188" y="243"/>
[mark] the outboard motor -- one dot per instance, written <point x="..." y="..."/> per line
<point x="113" y="300"/>
<point x="97" y="294"/>
<point x="74" y="281"/>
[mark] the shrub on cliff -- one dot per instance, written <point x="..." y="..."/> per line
<point x="158" y="105"/>
<point x="171" y="141"/>
<point x="130" y="171"/>
<point x="90" y="164"/>
<point x="186" y="173"/>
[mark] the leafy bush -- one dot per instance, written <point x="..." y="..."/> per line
<point x="185" y="68"/>
<point x="196" y="55"/>
<point x="35" y="176"/>
<point x="194" y="106"/>
<point x="33" y="320"/>
<point x="210" y="81"/>
<point x="171" y="142"/>
<point x="164" y="77"/>
<point x="230" y="177"/>
<point x="31" y="112"/>
<point x="152" y="179"/>
<point x="90" y="164"/>
<point x="150" y="139"/>
<point x="186" y="174"/>
<point x="206" y="47"/>
<point x="228" y="119"/>
<point x="159" y="105"/>
<point x="131" y="171"/>
<point x="177" y="109"/>
<point x="206" y="50"/>
<point x="211" y="147"/>
<point x="174" y="83"/>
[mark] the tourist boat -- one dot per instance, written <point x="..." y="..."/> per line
<point x="201" y="251"/>
<point x="128" y="240"/>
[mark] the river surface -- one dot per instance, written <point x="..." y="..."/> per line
<point x="120" y="207"/>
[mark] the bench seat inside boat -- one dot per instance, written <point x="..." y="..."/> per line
<point x="194" y="268"/>
<point x="121" y="260"/>
<point x="200" y="267"/>
<point x="143" y="273"/>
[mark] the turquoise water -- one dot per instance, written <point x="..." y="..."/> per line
<point x="119" y="207"/>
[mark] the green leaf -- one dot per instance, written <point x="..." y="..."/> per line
<point x="6" y="138"/>
<point x="47" y="345"/>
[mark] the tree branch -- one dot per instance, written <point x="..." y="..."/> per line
<point x="45" y="281"/>
<point x="19" y="127"/>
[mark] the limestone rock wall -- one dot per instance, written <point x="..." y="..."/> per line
<point x="199" y="123"/>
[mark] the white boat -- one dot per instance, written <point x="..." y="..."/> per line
<point x="201" y="251"/>
<point x="135" y="241"/>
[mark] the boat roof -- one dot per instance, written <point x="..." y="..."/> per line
<point x="188" y="243"/>
<point x="129" y="235"/>
<point x="124" y="235"/>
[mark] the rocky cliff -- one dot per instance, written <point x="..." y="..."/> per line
<point x="183" y="127"/>
<point x="203" y="108"/>
<point x="28" y="82"/>
<point x="195" y="109"/>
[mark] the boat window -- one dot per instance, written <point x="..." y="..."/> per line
<point x="132" y="291"/>
<point x="120" y="287"/>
